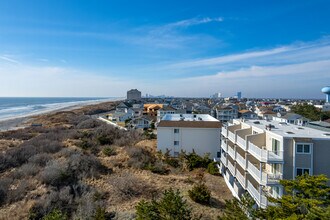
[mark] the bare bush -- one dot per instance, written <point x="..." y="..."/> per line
<point x="4" y="188"/>
<point x="27" y="169"/>
<point x="19" y="192"/>
<point x="139" y="158"/>
<point x="128" y="186"/>
<point x="40" y="159"/>
<point x="88" y="123"/>
<point x="55" y="173"/>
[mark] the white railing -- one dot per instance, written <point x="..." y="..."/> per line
<point x="231" y="168"/>
<point x="265" y="155"/>
<point x="231" y="136"/>
<point x="240" y="178"/>
<point x="259" y="198"/>
<point x="241" y="142"/>
<point x="231" y="152"/>
<point x="224" y="145"/>
<point x="263" y="177"/>
<point x="224" y="131"/>
<point x="223" y="160"/>
<point x="241" y="161"/>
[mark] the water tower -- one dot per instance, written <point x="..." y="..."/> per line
<point x="326" y="90"/>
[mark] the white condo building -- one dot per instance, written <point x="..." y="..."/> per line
<point x="256" y="154"/>
<point x="188" y="132"/>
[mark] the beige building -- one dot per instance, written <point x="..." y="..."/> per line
<point x="256" y="154"/>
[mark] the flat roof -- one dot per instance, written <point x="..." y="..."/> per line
<point x="288" y="130"/>
<point x="189" y="121"/>
<point x="188" y="117"/>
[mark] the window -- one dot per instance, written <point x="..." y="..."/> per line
<point x="275" y="146"/>
<point x="176" y="143"/>
<point x="176" y="154"/>
<point x="176" y="131"/>
<point x="301" y="171"/>
<point x="303" y="148"/>
<point x="218" y="154"/>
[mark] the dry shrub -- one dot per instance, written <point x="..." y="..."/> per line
<point x="19" y="192"/>
<point x="40" y="159"/>
<point x="127" y="186"/>
<point x="139" y="158"/>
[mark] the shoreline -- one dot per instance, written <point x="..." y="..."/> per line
<point x="19" y="122"/>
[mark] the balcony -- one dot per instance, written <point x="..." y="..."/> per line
<point x="264" y="155"/>
<point x="262" y="177"/>
<point x="260" y="199"/>
<point x="231" y="168"/>
<point x="231" y="136"/>
<point x="240" y="178"/>
<point x="224" y="145"/>
<point x="223" y="160"/>
<point x="224" y="132"/>
<point x="231" y="152"/>
<point x="241" y="142"/>
<point x="241" y="161"/>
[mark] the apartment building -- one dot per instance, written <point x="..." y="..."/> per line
<point x="256" y="154"/>
<point x="225" y="113"/>
<point x="188" y="132"/>
<point x="133" y="94"/>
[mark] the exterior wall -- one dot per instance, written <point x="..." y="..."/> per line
<point x="321" y="161"/>
<point x="133" y="95"/>
<point x="202" y="140"/>
<point x="288" y="155"/>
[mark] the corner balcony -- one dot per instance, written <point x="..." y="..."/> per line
<point x="224" y="145"/>
<point x="264" y="155"/>
<point x="241" y="142"/>
<point x="241" y="160"/>
<point x="261" y="176"/>
<point x="224" y="131"/>
<point x="241" y="179"/>
<point x="232" y="136"/>
<point x="260" y="199"/>
<point x="223" y="159"/>
<point x="231" y="168"/>
<point x="231" y="151"/>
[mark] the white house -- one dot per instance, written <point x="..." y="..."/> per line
<point x="290" y="118"/>
<point x="188" y="132"/>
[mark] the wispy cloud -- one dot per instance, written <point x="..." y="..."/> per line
<point x="11" y="60"/>
<point x="193" y="21"/>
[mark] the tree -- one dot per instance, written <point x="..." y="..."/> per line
<point x="170" y="207"/>
<point x="200" y="194"/>
<point x="306" y="197"/>
<point x="239" y="209"/>
<point x="310" y="111"/>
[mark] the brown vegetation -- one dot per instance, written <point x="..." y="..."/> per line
<point x="77" y="165"/>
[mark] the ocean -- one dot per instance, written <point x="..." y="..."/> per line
<point x="20" y="107"/>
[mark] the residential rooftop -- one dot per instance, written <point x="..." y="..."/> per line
<point x="189" y="117"/>
<point x="287" y="130"/>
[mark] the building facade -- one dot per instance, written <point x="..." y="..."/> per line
<point x="189" y="132"/>
<point x="256" y="154"/>
<point x="133" y="94"/>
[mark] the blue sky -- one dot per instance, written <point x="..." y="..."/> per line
<point x="180" y="48"/>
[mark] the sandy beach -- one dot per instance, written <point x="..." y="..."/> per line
<point x="22" y="121"/>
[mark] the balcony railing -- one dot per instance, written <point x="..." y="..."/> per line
<point x="231" y="152"/>
<point x="261" y="176"/>
<point x="259" y="198"/>
<point x="231" y="168"/>
<point x="224" y="131"/>
<point x="240" y="178"/>
<point x="241" y="160"/>
<point x="231" y="136"/>
<point x="241" y="142"/>
<point x="224" y="145"/>
<point x="265" y="155"/>
<point x="223" y="160"/>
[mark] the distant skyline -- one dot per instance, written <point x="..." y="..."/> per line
<point x="102" y="48"/>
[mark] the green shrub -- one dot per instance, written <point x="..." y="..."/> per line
<point x="193" y="160"/>
<point x="200" y="194"/>
<point x="109" y="151"/>
<point x="158" y="167"/>
<point x="55" y="215"/>
<point x="105" y="140"/>
<point x="170" y="206"/>
<point x="212" y="168"/>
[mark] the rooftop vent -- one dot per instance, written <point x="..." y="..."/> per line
<point x="299" y="128"/>
<point x="289" y="132"/>
<point x="199" y="118"/>
<point x="283" y="123"/>
<point x="327" y="134"/>
<point x="256" y="122"/>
